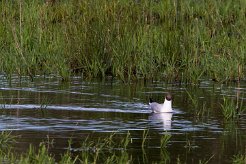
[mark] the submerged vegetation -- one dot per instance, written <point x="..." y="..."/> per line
<point x="107" y="149"/>
<point x="127" y="39"/>
<point x="102" y="150"/>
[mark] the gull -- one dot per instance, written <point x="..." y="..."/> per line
<point x="166" y="107"/>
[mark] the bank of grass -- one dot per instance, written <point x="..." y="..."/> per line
<point x="127" y="39"/>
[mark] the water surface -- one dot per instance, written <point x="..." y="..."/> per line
<point x="47" y="109"/>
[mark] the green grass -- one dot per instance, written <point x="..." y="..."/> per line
<point x="92" y="151"/>
<point x="144" y="138"/>
<point x="239" y="159"/>
<point x="165" y="139"/>
<point x="107" y="149"/>
<point x="229" y="108"/>
<point x="198" y="108"/>
<point x="6" y="139"/>
<point x="124" y="39"/>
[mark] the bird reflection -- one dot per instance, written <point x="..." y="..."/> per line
<point x="164" y="118"/>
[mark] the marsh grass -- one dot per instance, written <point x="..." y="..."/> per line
<point x="144" y="137"/>
<point x="92" y="151"/>
<point x="43" y="105"/>
<point x="6" y="139"/>
<point x="165" y="140"/>
<point x="103" y="150"/>
<point x="241" y="108"/>
<point x="206" y="161"/>
<point x="229" y="108"/>
<point x="106" y="149"/>
<point x="199" y="107"/>
<point x="124" y="39"/>
<point x="239" y="159"/>
<point x="189" y="145"/>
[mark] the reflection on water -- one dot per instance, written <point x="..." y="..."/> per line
<point x="164" y="118"/>
<point x="47" y="107"/>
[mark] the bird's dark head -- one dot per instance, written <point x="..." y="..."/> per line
<point x="168" y="97"/>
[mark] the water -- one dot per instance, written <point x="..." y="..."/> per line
<point x="49" y="110"/>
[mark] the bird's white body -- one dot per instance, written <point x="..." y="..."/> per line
<point x="166" y="107"/>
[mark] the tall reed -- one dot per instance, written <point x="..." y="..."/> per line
<point x="126" y="39"/>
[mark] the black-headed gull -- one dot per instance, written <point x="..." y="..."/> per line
<point x="166" y="107"/>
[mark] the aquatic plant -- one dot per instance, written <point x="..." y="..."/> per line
<point x="6" y="139"/>
<point x="103" y="150"/>
<point x="239" y="159"/>
<point x="165" y="156"/>
<point x="183" y="41"/>
<point x="198" y="109"/>
<point x="205" y="161"/>
<point x="165" y="139"/>
<point x="125" y="141"/>
<point x="43" y="106"/>
<point x="190" y="144"/>
<point x="144" y="137"/>
<point x="241" y="108"/>
<point x="42" y="156"/>
<point x="93" y="151"/>
<point x="229" y="108"/>
<point x="68" y="158"/>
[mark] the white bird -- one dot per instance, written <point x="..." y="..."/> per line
<point x="166" y="107"/>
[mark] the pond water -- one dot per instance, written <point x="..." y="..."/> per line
<point x="48" y="109"/>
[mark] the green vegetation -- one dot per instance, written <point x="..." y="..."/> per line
<point x="6" y="139"/>
<point x="145" y="137"/>
<point x="239" y="159"/>
<point x="127" y="39"/>
<point x="102" y="150"/>
<point x="198" y="108"/>
<point x="105" y="149"/>
<point x="231" y="109"/>
<point x="165" y="139"/>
